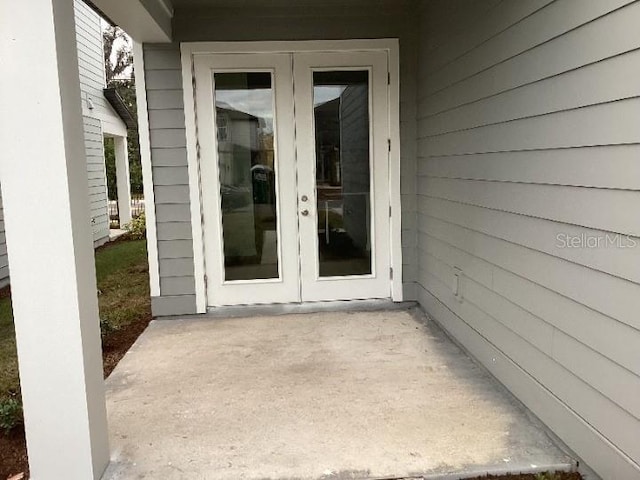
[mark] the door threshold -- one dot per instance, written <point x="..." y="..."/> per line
<point x="236" y="311"/>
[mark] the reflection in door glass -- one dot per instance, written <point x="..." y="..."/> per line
<point x="341" y="114"/>
<point x="246" y="161"/>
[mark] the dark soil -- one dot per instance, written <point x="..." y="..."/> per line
<point x="13" y="454"/>
<point x="13" y="450"/>
<point x="529" y="476"/>
<point x="119" y="342"/>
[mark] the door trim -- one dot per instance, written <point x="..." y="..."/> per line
<point x="191" y="49"/>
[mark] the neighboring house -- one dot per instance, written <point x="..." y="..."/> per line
<point x="502" y="153"/>
<point x="104" y="115"/>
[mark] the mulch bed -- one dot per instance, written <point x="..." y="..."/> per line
<point x="13" y="448"/>
<point x="529" y="476"/>
<point x="13" y="454"/>
<point x="119" y="342"/>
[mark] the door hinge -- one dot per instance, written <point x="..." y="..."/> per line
<point x="391" y="273"/>
<point x="389" y="144"/>
<point x="389" y="211"/>
<point x="388" y="78"/>
<point x="206" y="281"/>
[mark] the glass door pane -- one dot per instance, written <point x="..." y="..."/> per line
<point x="343" y="185"/>
<point x="245" y="134"/>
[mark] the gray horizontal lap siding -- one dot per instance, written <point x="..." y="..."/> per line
<point x="90" y="59"/>
<point x="163" y="79"/>
<point x="96" y="170"/>
<point x="527" y="129"/>
<point x="167" y="132"/>
<point x="92" y="82"/>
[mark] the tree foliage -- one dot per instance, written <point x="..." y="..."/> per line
<point x="117" y="53"/>
<point x="119" y="72"/>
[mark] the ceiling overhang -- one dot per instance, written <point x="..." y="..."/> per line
<point x="144" y="20"/>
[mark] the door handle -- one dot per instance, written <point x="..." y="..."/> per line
<point x="305" y="212"/>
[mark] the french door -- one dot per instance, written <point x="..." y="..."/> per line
<point x="294" y="176"/>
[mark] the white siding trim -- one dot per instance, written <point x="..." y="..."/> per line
<point x="111" y="125"/>
<point x="147" y="173"/>
<point x="193" y="166"/>
<point x="395" y="171"/>
<point x="288" y="46"/>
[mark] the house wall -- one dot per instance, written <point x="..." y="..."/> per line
<point x="163" y="79"/>
<point x="96" y="170"/>
<point x="90" y="58"/>
<point x="99" y="117"/>
<point x="528" y="116"/>
<point x="92" y="82"/>
<point x="91" y="67"/>
<point x="167" y="127"/>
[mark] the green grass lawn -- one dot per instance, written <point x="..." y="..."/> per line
<point x="123" y="282"/>
<point x="9" y="384"/>
<point x="123" y="285"/>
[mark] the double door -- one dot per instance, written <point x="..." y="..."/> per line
<point x="294" y="176"/>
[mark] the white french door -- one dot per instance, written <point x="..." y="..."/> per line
<point x="342" y="160"/>
<point x="294" y="176"/>
<point x="245" y="131"/>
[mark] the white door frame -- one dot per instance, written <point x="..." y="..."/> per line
<point x="192" y="49"/>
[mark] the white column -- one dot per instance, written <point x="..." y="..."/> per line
<point x="123" y="180"/>
<point x="46" y="207"/>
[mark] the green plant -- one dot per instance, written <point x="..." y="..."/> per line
<point x="107" y="326"/>
<point x="137" y="227"/>
<point x="10" y="414"/>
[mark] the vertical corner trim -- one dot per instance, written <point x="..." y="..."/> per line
<point x="397" y="294"/>
<point x="147" y="172"/>
<point x="197" y="232"/>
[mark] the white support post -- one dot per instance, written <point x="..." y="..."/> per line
<point x="123" y="180"/>
<point x="46" y="207"/>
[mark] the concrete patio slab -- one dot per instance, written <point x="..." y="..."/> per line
<point x="328" y="395"/>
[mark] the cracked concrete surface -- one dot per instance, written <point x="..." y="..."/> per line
<point x="334" y="395"/>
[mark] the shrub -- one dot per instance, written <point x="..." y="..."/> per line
<point x="107" y="326"/>
<point x="10" y="414"/>
<point x="137" y="227"/>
